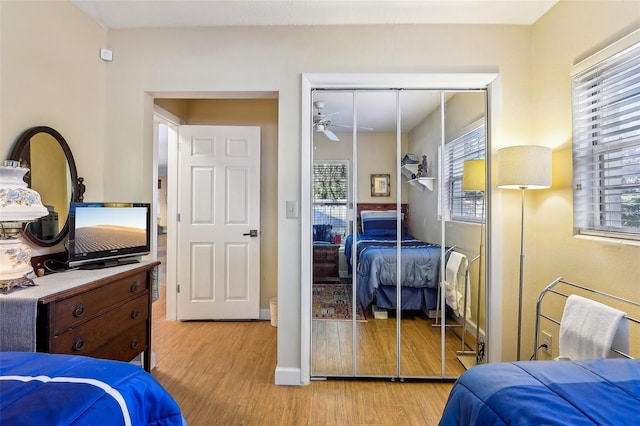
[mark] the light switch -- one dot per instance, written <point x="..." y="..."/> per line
<point x="292" y="209"/>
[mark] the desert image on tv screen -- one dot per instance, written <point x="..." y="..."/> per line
<point x="110" y="228"/>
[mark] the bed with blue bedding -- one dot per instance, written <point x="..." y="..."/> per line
<point x="599" y="391"/>
<point x="45" y="389"/>
<point x="377" y="258"/>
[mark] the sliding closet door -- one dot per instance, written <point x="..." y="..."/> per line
<point x="333" y="171"/>
<point x="463" y="176"/>
<point x="421" y="135"/>
<point x="376" y="188"/>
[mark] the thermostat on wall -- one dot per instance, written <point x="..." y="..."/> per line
<point x="106" y="55"/>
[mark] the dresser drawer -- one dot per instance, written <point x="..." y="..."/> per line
<point x="325" y="253"/>
<point x="78" y="309"/>
<point x="90" y="336"/>
<point x="126" y="346"/>
<point x="325" y="270"/>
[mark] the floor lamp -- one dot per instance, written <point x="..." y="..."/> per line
<point x="523" y="167"/>
<point x="474" y="179"/>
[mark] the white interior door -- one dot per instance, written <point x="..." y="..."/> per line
<point x="218" y="252"/>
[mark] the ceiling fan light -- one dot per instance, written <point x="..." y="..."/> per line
<point x="319" y="127"/>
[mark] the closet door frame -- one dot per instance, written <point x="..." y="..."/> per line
<point x="454" y="81"/>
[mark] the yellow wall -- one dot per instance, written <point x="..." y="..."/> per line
<point x="50" y="74"/>
<point x="50" y="174"/>
<point x="570" y="32"/>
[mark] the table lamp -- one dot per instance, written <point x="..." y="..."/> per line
<point x="18" y="204"/>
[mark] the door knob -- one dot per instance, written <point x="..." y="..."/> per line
<point x="252" y="233"/>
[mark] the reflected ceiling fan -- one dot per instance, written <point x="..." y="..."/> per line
<point x="322" y="122"/>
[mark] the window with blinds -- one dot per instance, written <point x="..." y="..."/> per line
<point x="463" y="205"/>
<point x="331" y="194"/>
<point x="606" y="146"/>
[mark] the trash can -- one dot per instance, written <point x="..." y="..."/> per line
<point x="273" y="305"/>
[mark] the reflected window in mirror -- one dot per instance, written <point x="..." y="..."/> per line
<point x="463" y="205"/>
<point x="330" y="199"/>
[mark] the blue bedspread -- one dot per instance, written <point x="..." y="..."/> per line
<point x="44" y="389"/>
<point x="377" y="267"/>
<point x="601" y="392"/>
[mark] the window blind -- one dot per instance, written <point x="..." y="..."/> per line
<point x="606" y="146"/>
<point x="463" y="205"/>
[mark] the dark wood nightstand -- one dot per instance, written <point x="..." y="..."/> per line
<point x="325" y="262"/>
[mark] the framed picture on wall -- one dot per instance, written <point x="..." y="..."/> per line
<point x="380" y="185"/>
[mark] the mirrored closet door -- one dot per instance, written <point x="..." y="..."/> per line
<point x="390" y="211"/>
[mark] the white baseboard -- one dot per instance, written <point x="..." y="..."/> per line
<point x="288" y="376"/>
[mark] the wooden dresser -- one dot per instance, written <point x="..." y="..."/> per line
<point x="106" y="316"/>
<point x="325" y="261"/>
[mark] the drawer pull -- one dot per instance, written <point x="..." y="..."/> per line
<point x="135" y="287"/>
<point x="134" y="343"/>
<point x="78" y="345"/>
<point x="78" y="310"/>
<point x="135" y="313"/>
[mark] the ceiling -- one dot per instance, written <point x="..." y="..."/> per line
<point x="119" y="14"/>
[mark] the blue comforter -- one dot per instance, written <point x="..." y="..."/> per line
<point x="377" y="263"/>
<point x="44" y="389"/>
<point x="601" y="391"/>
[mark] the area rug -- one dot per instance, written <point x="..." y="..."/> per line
<point x="333" y="302"/>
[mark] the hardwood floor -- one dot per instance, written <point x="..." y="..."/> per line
<point x="376" y="347"/>
<point x="222" y="373"/>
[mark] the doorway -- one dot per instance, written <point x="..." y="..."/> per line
<point x="221" y="108"/>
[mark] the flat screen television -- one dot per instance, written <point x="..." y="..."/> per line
<point x="108" y="234"/>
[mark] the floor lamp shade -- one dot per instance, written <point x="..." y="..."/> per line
<point x="473" y="175"/>
<point x="524" y="167"/>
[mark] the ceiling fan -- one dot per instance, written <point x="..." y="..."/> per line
<point x="321" y="122"/>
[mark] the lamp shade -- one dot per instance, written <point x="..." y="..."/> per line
<point x="524" y="167"/>
<point x="473" y="175"/>
<point x="17" y="201"/>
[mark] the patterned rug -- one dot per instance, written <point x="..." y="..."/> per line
<point x="333" y="302"/>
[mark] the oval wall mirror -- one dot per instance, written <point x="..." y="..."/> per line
<point x="52" y="173"/>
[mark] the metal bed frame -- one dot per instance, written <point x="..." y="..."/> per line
<point x="550" y="289"/>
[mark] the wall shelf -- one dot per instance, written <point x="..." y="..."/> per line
<point x="423" y="183"/>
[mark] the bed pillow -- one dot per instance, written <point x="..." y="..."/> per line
<point x="379" y="219"/>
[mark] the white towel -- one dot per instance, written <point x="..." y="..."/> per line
<point x="589" y="330"/>
<point x="455" y="283"/>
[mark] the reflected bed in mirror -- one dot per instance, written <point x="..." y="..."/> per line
<point x="53" y="174"/>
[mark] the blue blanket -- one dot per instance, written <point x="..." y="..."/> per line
<point x="44" y="389"/>
<point x="601" y="391"/>
<point x="377" y="266"/>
